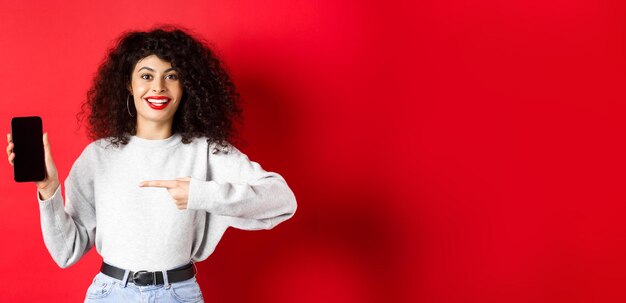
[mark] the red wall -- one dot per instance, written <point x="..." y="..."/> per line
<point x="441" y="151"/>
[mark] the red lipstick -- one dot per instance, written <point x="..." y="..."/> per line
<point x="158" y="102"/>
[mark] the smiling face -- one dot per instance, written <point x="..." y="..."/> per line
<point x="156" y="90"/>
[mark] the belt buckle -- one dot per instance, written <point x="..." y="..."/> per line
<point x="144" y="278"/>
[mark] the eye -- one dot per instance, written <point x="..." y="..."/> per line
<point x="146" y="76"/>
<point x="172" y="76"/>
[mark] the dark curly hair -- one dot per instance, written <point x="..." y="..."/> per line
<point x="209" y="106"/>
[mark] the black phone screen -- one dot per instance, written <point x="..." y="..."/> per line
<point x="29" y="163"/>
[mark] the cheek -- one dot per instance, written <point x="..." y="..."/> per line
<point x="139" y="89"/>
<point x="138" y="94"/>
<point x="178" y="89"/>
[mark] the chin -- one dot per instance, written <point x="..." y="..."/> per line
<point x="156" y="118"/>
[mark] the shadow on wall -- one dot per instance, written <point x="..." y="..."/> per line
<point x="328" y="252"/>
<point x="340" y="246"/>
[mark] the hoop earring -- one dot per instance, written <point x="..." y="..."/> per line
<point x="128" y="106"/>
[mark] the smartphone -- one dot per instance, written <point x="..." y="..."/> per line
<point x="29" y="164"/>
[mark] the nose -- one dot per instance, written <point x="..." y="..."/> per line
<point x="157" y="86"/>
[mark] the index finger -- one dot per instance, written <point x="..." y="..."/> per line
<point x="159" y="183"/>
<point x="9" y="138"/>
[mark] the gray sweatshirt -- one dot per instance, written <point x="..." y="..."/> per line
<point x="140" y="228"/>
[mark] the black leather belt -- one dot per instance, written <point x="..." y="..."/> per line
<point x="145" y="278"/>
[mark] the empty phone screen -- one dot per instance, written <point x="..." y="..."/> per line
<point x="29" y="163"/>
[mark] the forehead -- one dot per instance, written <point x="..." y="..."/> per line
<point x="153" y="62"/>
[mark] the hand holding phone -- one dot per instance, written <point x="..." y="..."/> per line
<point x="29" y="153"/>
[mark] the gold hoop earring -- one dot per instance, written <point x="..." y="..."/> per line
<point x="128" y="106"/>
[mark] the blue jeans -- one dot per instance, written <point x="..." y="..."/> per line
<point x="108" y="289"/>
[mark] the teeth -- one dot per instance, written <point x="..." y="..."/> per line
<point x="161" y="101"/>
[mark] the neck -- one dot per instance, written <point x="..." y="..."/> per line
<point x="152" y="130"/>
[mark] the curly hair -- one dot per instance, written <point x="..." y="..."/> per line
<point x="209" y="106"/>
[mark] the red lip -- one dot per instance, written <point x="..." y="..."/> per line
<point x="158" y="106"/>
<point x="157" y="97"/>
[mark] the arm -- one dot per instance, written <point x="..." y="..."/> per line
<point x="68" y="235"/>
<point x="69" y="231"/>
<point x="241" y="189"/>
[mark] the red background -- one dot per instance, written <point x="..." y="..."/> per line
<point x="440" y="151"/>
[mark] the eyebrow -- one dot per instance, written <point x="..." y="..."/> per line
<point x="152" y="70"/>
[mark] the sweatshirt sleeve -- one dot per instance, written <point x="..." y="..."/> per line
<point x="69" y="231"/>
<point x="240" y="189"/>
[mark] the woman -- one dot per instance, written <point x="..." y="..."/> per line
<point x="160" y="184"/>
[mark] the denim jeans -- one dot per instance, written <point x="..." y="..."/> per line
<point x="108" y="289"/>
